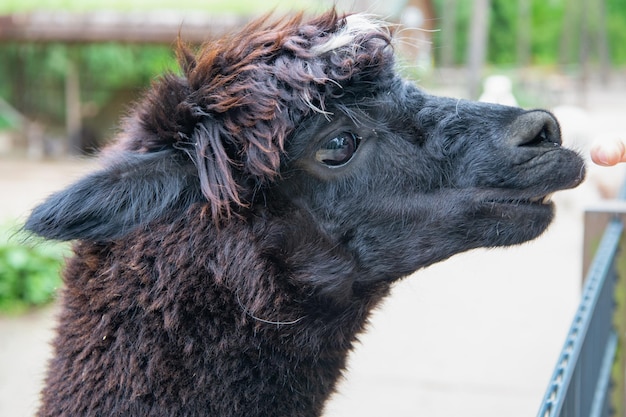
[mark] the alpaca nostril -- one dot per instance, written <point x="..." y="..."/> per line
<point x="535" y="128"/>
<point x="544" y="137"/>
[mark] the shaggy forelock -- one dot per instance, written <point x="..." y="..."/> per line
<point x="242" y="96"/>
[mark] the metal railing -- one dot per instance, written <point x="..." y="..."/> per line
<point x="587" y="371"/>
<point x="579" y="384"/>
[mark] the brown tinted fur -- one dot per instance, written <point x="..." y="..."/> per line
<point x="151" y="329"/>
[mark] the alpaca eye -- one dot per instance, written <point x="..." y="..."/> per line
<point x="339" y="150"/>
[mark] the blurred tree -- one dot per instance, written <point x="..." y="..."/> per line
<point x="524" y="32"/>
<point x="585" y="39"/>
<point x="477" y="46"/>
<point x="571" y="30"/>
<point x="501" y="47"/>
<point x="73" y="113"/>
<point x="605" y="54"/>
<point x="448" y="32"/>
<point x="616" y="28"/>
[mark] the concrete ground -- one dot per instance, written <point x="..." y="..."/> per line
<point x="477" y="335"/>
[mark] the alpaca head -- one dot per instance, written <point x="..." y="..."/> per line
<point x="311" y="117"/>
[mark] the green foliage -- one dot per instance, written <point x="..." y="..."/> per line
<point x="29" y="274"/>
<point x="547" y="35"/>
<point x="616" y="26"/>
<point x="38" y="73"/>
<point x="5" y="123"/>
<point x="502" y="42"/>
<point x="547" y="29"/>
<point x="107" y="68"/>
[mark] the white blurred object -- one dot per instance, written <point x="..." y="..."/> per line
<point x="576" y="127"/>
<point x="498" y="89"/>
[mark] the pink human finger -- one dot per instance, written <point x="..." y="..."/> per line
<point x="609" y="153"/>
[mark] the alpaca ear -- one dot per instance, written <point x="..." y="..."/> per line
<point x="131" y="191"/>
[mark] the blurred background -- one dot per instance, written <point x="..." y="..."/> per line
<point x="477" y="335"/>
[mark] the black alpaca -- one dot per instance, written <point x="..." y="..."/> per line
<point x="256" y="209"/>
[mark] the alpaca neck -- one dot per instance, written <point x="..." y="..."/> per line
<point x="145" y="344"/>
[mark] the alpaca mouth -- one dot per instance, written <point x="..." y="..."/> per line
<point x="544" y="200"/>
